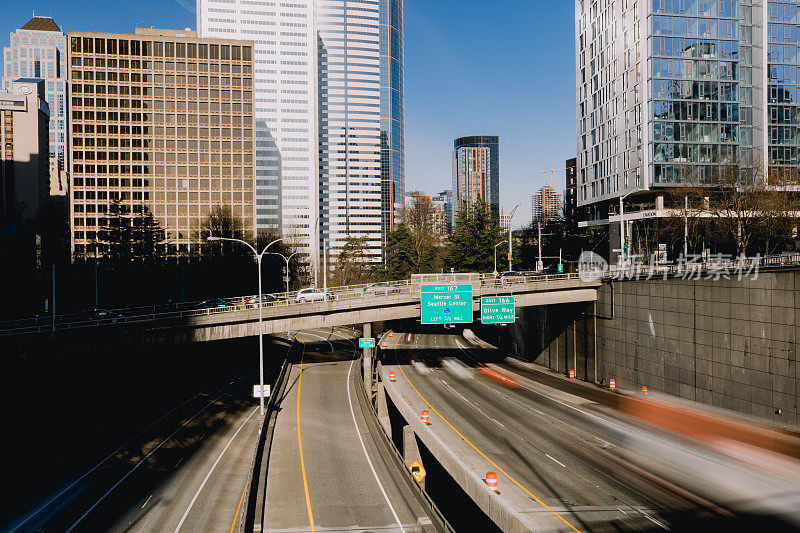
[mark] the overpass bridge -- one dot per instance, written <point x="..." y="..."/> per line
<point x="239" y="317"/>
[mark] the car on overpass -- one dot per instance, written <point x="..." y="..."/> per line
<point x="266" y="298"/>
<point x="374" y="289"/>
<point x="99" y="314"/>
<point x="312" y="294"/>
<point x="214" y="303"/>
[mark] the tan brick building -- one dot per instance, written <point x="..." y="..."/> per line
<point x="160" y="120"/>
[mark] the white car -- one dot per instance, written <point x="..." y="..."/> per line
<point x="313" y="295"/>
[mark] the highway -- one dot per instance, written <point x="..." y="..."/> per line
<point x="184" y="472"/>
<point x="543" y="448"/>
<point x="326" y="470"/>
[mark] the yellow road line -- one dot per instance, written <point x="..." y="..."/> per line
<point x="514" y="481"/>
<point x="238" y="508"/>
<point x="300" y="441"/>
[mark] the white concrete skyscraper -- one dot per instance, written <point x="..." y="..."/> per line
<point x="285" y="107"/>
<point x="329" y="114"/>
<point x="39" y="50"/>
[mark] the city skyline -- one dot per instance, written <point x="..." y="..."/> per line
<point x="433" y="118"/>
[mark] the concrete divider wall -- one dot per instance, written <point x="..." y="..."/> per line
<point x="726" y="343"/>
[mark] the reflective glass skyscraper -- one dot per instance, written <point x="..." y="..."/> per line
<point x="476" y="173"/>
<point x="669" y="90"/>
<point x="39" y="50"/>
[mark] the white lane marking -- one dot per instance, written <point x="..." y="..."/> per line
<point x="621" y="511"/>
<point x="556" y="460"/>
<point x="535" y="391"/>
<point x="358" y="433"/>
<point x="653" y="520"/>
<point x="205" y="479"/>
<point x="98" y="465"/>
<point x="317" y="336"/>
<point x="179" y="462"/>
<point x="141" y="461"/>
<point x="147" y="500"/>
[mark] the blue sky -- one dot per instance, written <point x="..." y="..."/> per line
<point x="492" y="67"/>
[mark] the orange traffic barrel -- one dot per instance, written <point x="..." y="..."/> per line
<point x="425" y="417"/>
<point x="612" y="384"/>
<point x="383" y="344"/>
<point x="571" y="374"/>
<point x="491" y="480"/>
<point x="644" y="390"/>
<point x="391" y="375"/>
<point x="390" y="333"/>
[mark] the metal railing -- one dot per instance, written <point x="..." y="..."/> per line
<point x="384" y="293"/>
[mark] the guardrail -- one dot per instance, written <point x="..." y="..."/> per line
<point x="253" y="499"/>
<point x="134" y="315"/>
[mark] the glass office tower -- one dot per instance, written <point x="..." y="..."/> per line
<point x="39" y="50"/>
<point x="669" y="90"/>
<point x="476" y="173"/>
<point x="783" y="97"/>
<point x="392" y="134"/>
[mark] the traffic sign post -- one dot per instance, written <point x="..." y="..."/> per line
<point x="366" y="343"/>
<point x="257" y="391"/>
<point x="445" y="304"/>
<point x="497" y="310"/>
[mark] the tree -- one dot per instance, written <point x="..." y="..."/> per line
<point x="475" y="233"/>
<point x="221" y="222"/>
<point x="421" y="220"/>
<point x="352" y="265"/>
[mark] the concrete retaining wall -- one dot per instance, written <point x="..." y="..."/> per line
<point x="727" y="343"/>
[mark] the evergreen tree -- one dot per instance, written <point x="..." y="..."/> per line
<point x="475" y="233"/>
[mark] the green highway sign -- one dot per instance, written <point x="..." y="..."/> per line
<point x="497" y="310"/>
<point x="617" y="250"/>
<point x="443" y="304"/>
<point x="366" y="343"/>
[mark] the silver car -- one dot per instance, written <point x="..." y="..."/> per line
<point x="313" y="294"/>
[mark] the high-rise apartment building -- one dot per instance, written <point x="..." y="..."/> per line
<point x="668" y="91"/>
<point x="24" y="149"/>
<point x="446" y="199"/>
<point x="329" y="114"/>
<point x="476" y="173"/>
<point x="39" y="50"/>
<point x="546" y="204"/>
<point x="505" y="219"/>
<point x="161" y="121"/>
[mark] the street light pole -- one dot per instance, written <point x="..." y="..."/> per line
<point x="510" y="219"/>
<point x="260" y="311"/>
<point x="495" y="256"/>
<point x="286" y="277"/>
<point x="622" y="226"/>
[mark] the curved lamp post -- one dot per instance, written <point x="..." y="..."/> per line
<point x="259" y="256"/>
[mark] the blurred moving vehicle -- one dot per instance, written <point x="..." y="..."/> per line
<point x="265" y="298"/>
<point x="312" y="294"/>
<point x="373" y="289"/>
<point x="214" y="303"/>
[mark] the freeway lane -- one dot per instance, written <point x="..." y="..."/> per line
<point x="326" y="473"/>
<point x="545" y="447"/>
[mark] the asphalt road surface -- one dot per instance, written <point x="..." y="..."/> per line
<point x="326" y="472"/>
<point x="546" y="446"/>
<point x="186" y="471"/>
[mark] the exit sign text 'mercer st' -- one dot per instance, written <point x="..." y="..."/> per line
<point x="446" y="303"/>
